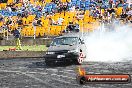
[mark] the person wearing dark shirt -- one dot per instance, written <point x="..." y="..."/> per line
<point x="19" y="21"/>
<point x="1" y="18"/>
<point x="39" y="22"/>
<point x="70" y="27"/>
<point x="76" y="27"/>
<point x="123" y="15"/>
<point x="16" y="34"/>
<point x="111" y="11"/>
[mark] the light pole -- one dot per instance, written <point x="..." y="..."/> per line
<point x="34" y="32"/>
<point x="7" y="34"/>
<point x="34" y="27"/>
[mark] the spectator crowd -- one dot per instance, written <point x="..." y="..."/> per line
<point x="44" y="13"/>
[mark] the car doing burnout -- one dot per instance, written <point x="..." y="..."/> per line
<point x="68" y="48"/>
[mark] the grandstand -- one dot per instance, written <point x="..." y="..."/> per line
<point x="84" y="12"/>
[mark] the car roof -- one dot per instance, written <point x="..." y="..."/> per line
<point x="70" y="35"/>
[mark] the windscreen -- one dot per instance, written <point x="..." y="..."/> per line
<point x="65" y="41"/>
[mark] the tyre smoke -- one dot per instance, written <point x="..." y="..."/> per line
<point x="108" y="46"/>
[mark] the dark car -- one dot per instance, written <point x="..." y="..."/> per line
<point x="67" y="49"/>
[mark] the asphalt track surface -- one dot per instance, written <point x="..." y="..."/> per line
<point x="33" y="73"/>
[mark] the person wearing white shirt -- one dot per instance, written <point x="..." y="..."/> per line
<point x="60" y="20"/>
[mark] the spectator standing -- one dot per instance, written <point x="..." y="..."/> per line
<point x="16" y="34"/>
<point x="34" y="27"/>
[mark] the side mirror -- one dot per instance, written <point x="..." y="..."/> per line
<point x="48" y="45"/>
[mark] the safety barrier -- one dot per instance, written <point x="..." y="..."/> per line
<point x="21" y="54"/>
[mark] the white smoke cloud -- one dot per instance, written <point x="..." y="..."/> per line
<point x="109" y="46"/>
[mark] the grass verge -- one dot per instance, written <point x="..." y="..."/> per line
<point x="26" y="48"/>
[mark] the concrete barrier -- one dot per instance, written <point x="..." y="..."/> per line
<point x="21" y="54"/>
<point x="26" y="41"/>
